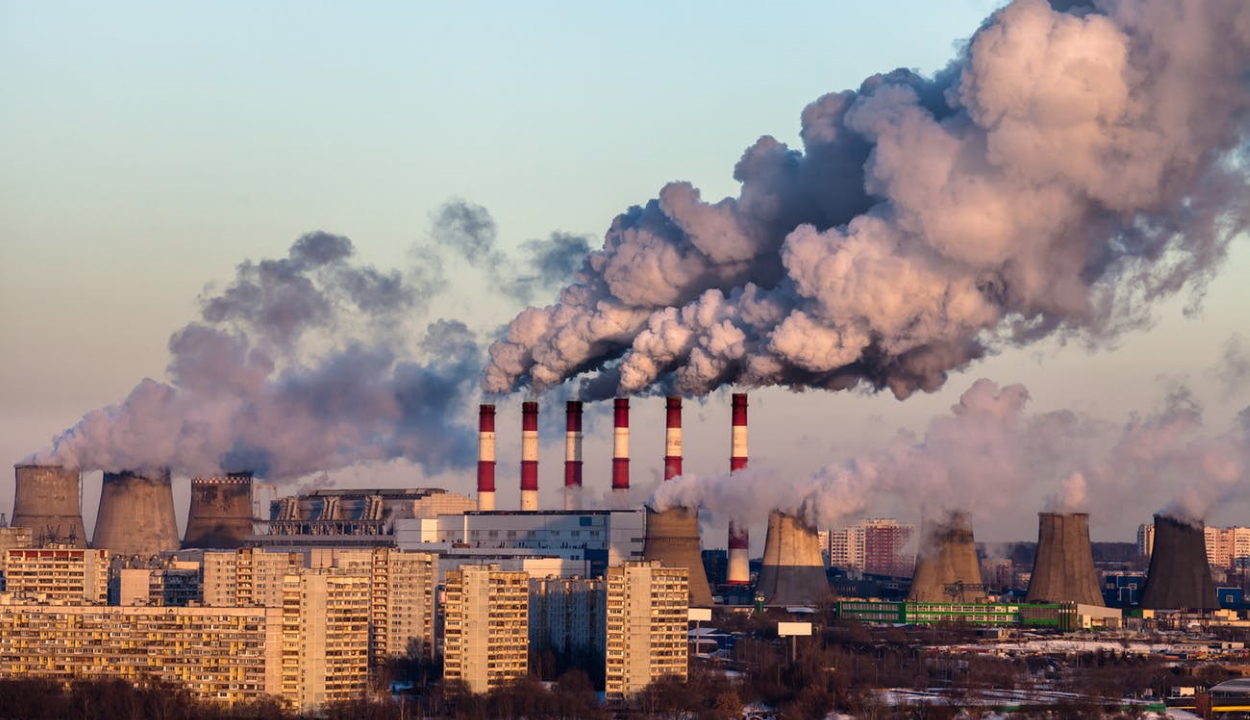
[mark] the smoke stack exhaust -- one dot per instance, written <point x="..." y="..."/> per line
<point x="46" y="500"/>
<point x="1179" y="577"/>
<point x="136" y="515"/>
<point x="793" y="571"/>
<point x="1063" y="570"/>
<point x="672" y="535"/>
<point x="946" y="567"/>
<point x="739" y="571"/>
<point x="620" y="450"/>
<point x="573" y="456"/>
<point x="221" y="512"/>
<point x="486" y="457"/>
<point x="529" y="456"/>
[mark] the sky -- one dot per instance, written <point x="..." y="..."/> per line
<point x="148" y="149"/>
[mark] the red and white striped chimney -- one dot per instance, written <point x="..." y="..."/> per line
<point x="620" y="450"/>
<point x="739" y="571"/>
<point x="672" y="438"/>
<point x="529" y="456"/>
<point x="573" y="456"/>
<point x="486" y="457"/>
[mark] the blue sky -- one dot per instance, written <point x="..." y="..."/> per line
<point x="150" y="147"/>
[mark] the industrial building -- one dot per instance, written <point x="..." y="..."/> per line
<point x="647" y="626"/>
<point x="485" y="627"/>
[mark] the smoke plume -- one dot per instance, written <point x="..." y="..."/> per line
<point x="1062" y="173"/>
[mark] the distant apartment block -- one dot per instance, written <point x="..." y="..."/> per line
<point x="647" y="626"/>
<point x="58" y="575"/>
<point x="175" y="586"/>
<point x="877" y="545"/>
<point x="567" y="615"/>
<point x="247" y="577"/>
<point x="485" y="627"/>
<point x="12" y="536"/>
<point x="1225" y="546"/>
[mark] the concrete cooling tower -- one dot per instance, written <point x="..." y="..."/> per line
<point x="672" y="535"/>
<point x="793" y="572"/>
<point x="47" y="501"/>
<point x="1179" y="577"/>
<point x="221" y="512"/>
<point x="136" y="515"/>
<point x="1064" y="568"/>
<point x="946" y="568"/>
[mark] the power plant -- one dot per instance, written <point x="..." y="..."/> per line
<point x="946" y="566"/>
<point x="673" y="535"/>
<point x="136" y="515"/>
<point x="793" y="572"/>
<point x="221" y="512"/>
<point x="47" y="500"/>
<point x="1063" y="570"/>
<point x="1179" y="577"/>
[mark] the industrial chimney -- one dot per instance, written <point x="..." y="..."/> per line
<point x="47" y="501"/>
<point x="793" y="572"/>
<point x="1179" y="577"/>
<point x="672" y="535"/>
<point x="620" y="452"/>
<point x="486" y="457"/>
<point x="1063" y="570"/>
<point x="739" y="571"/>
<point x="221" y="512"/>
<point x="136" y="515"/>
<point x="529" y="456"/>
<point x="573" y="455"/>
<point x="946" y="567"/>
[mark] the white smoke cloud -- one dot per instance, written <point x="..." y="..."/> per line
<point x="1065" y="171"/>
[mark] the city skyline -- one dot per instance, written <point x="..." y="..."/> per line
<point x="145" y="176"/>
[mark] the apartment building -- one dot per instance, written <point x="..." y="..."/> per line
<point x="647" y="626"/>
<point x="58" y="575"/>
<point x="325" y="638"/>
<point x="875" y="545"/>
<point x="567" y="615"/>
<point x="485" y="626"/>
<point x="174" y="586"/>
<point x="12" y="536"/>
<point x="247" y="576"/>
<point x="401" y="602"/>
<point x="1225" y="546"/>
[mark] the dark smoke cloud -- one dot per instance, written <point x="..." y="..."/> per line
<point x="1063" y="173"/>
<point x="989" y="453"/>
<point x="294" y="368"/>
<point x="466" y="228"/>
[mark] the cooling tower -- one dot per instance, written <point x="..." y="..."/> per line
<point x="529" y="456"/>
<point x="573" y="455"/>
<point x="1063" y="570"/>
<point x="620" y="451"/>
<point x="486" y="458"/>
<point x="46" y="500"/>
<point x="1179" y="577"/>
<point x="946" y="567"/>
<point x="793" y="572"/>
<point x="221" y="512"/>
<point x="136" y="514"/>
<point x="672" y="535"/>
<point x="739" y="571"/>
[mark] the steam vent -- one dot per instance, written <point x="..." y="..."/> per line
<point x="1179" y="577"/>
<point x="793" y="572"/>
<point x="673" y="535"/>
<point x="136" y="515"/>
<point x="221" y="512"/>
<point x="1064" y="568"/>
<point x="947" y="568"/>
<point x="47" y="501"/>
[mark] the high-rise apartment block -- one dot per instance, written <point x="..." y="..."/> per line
<point x="1226" y="547"/>
<point x="647" y="626"/>
<point x="58" y="575"/>
<point x="247" y="577"/>
<point x="485" y="626"/>
<point x="876" y="545"/>
<point x="325" y="638"/>
<point x="567" y="615"/>
<point x="12" y="536"/>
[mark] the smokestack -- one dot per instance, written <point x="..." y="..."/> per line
<point x="47" y="501"/>
<point x="136" y="515"/>
<point x="529" y="456"/>
<point x="573" y="456"/>
<point x="739" y="572"/>
<point x="486" y="457"/>
<point x="672" y="535"/>
<point x="221" y="512"/>
<point x="793" y="572"/>
<point x="1179" y="577"/>
<point x="620" y="450"/>
<point x="1063" y="570"/>
<point x="946" y="567"/>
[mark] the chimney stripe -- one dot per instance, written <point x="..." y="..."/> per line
<point x="620" y="446"/>
<point x="672" y="439"/>
<point x="486" y="457"/>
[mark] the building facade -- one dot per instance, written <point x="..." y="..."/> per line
<point x="567" y="615"/>
<point x="485" y="627"/>
<point x="58" y="575"/>
<point x="647" y="626"/>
